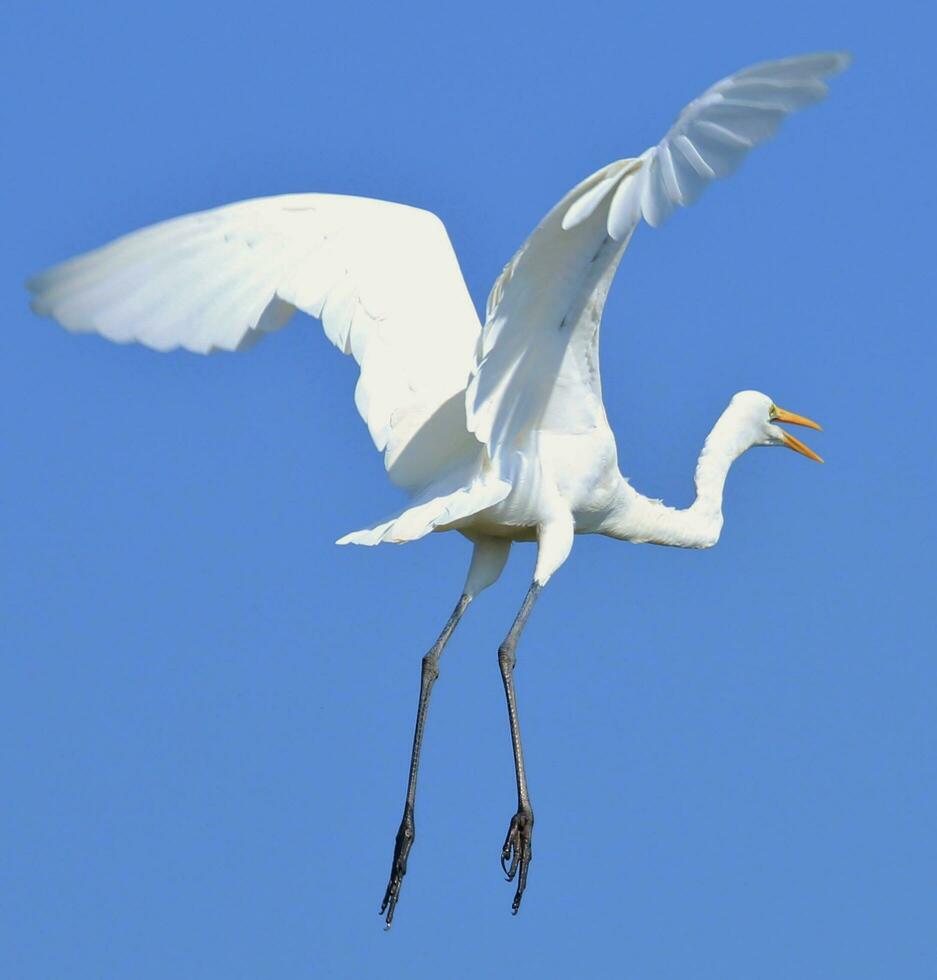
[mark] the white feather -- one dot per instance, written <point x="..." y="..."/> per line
<point x="491" y="431"/>
<point x="539" y="348"/>
<point x="218" y="280"/>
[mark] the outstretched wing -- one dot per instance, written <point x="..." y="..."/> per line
<point x="383" y="279"/>
<point x="538" y="366"/>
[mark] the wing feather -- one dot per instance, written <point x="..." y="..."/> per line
<point x="538" y="365"/>
<point x="713" y="134"/>
<point x="383" y="278"/>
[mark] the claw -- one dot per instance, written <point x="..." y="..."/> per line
<point x="517" y="849"/>
<point x="398" y="868"/>
<point x="392" y="894"/>
<point x="509" y="853"/>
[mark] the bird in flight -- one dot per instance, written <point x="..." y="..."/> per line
<point x="496" y="430"/>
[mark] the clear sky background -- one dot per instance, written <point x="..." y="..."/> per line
<point x="206" y="707"/>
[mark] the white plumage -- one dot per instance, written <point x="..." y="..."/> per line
<point x="460" y="411"/>
<point x="497" y="431"/>
<point x="466" y="416"/>
<point x="382" y="278"/>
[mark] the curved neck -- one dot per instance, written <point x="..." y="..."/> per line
<point x="722" y="448"/>
<point x="637" y="518"/>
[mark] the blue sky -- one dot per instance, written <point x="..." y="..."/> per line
<point x="207" y="707"/>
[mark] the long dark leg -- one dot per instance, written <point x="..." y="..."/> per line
<point x="407" y="831"/>
<point x="517" y="849"/>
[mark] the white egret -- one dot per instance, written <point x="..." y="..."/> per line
<point x="498" y="430"/>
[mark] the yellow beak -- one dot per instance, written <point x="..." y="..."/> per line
<point x="782" y="415"/>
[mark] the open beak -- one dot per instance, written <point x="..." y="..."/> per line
<point x="782" y="415"/>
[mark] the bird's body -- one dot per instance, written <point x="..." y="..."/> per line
<point x="561" y="478"/>
<point x="496" y="429"/>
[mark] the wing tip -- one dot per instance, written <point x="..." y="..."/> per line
<point x="840" y="61"/>
<point x="846" y="57"/>
<point x="823" y="64"/>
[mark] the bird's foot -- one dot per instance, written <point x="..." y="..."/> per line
<point x="398" y="867"/>
<point x="517" y="851"/>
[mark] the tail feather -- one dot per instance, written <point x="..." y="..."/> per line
<point x="419" y="519"/>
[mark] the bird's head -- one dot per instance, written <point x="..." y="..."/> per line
<point x="757" y="418"/>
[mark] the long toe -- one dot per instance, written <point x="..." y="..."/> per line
<point x="390" y="898"/>
<point x="509" y="854"/>
<point x="517" y="853"/>
<point x="398" y="869"/>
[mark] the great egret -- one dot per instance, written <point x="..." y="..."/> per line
<point x="496" y="431"/>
